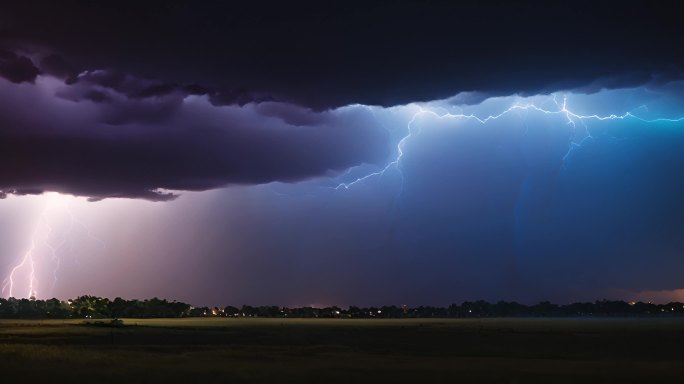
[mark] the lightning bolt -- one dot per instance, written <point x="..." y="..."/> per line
<point x="562" y="109"/>
<point x="28" y="259"/>
<point x="45" y="245"/>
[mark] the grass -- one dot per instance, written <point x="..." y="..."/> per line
<point x="345" y="351"/>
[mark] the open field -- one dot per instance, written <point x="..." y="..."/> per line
<point x="343" y="350"/>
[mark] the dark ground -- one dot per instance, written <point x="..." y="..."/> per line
<point x="349" y="351"/>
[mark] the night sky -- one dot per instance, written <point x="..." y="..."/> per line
<point x="342" y="152"/>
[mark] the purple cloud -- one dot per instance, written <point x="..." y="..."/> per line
<point x="110" y="134"/>
<point x="17" y="68"/>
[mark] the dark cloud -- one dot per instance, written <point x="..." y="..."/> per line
<point x="17" y="68"/>
<point x="57" y="66"/>
<point x="238" y="96"/>
<point x="156" y="90"/>
<point x="630" y="79"/>
<point x="109" y="134"/>
<point x="196" y="89"/>
<point x="96" y="85"/>
<point x="335" y="53"/>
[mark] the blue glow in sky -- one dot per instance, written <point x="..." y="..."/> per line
<point x="325" y="153"/>
<point x="567" y="196"/>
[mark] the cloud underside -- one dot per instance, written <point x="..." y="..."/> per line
<point x="105" y="134"/>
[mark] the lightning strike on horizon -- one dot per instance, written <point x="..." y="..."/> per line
<point x="43" y="247"/>
<point x="28" y="258"/>
<point x="562" y="109"/>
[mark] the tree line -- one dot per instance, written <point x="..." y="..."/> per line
<point x="97" y="307"/>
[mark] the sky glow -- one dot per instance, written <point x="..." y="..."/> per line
<point x="342" y="152"/>
<point x="536" y="144"/>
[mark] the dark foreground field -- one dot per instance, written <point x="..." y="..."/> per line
<point x="345" y="351"/>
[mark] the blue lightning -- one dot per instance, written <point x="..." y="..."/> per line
<point x="562" y="109"/>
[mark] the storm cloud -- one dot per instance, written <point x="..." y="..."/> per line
<point x="407" y="152"/>
<point x="334" y="53"/>
<point x="109" y="134"/>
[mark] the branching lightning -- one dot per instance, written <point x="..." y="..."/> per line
<point x="562" y="109"/>
<point x="45" y="249"/>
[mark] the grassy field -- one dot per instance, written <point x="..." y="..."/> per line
<point x="344" y="351"/>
